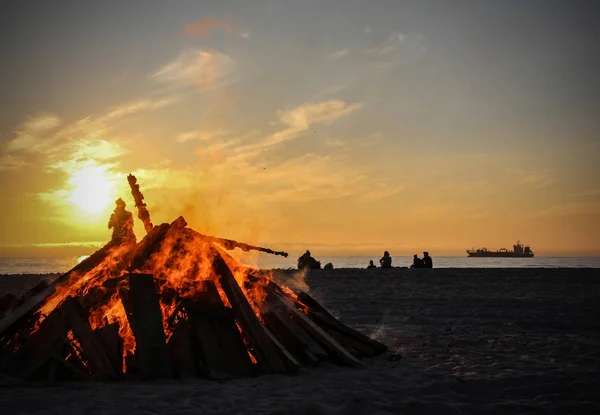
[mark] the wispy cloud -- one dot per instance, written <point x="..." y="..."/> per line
<point x="202" y="68"/>
<point x="200" y="135"/>
<point x="338" y="54"/>
<point x="8" y="162"/>
<point x="26" y="135"/>
<point x="533" y="179"/>
<point x="203" y="27"/>
<point x="388" y="45"/>
<point x="299" y="119"/>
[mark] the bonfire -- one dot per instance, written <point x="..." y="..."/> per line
<point x="174" y="305"/>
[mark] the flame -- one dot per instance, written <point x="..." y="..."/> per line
<point x="179" y="263"/>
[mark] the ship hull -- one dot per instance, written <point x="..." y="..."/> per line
<point x="499" y="255"/>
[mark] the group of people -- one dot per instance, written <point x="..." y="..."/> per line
<point x="386" y="261"/>
<point x="425" y="262"/>
<point x="306" y="261"/>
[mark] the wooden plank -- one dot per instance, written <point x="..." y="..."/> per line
<point x="40" y="345"/>
<point x="182" y="355"/>
<point x="293" y="337"/>
<point x="92" y="348"/>
<point x="10" y="323"/>
<point x="151" y="347"/>
<point x="228" y="334"/>
<point x="316" y="312"/>
<point x="206" y="338"/>
<point x="336" y="350"/>
<point x="113" y="345"/>
<point x="7" y="303"/>
<point x="285" y="335"/>
<point x="272" y="357"/>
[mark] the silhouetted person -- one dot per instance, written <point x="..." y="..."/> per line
<point x="371" y="265"/>
<point x="386" y="260"/>
<point x="417" y="262"/>
<point x="427" y="260"/>
<point x="307" y="261"/>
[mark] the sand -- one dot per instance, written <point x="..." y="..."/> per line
<point x="461" y="341"/>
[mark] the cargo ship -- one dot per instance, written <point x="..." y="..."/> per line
<point x="519" y="251"/>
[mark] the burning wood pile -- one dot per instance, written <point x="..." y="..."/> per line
<point x="174" y="305"/>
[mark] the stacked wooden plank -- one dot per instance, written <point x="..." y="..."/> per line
<point x="188" y="310"/>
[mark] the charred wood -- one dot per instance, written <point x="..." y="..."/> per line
<point x="151" y="348"/>
<point x="112" y="343"/>
<point x="182" y="356"/>
<point x="268" y="354"/>
<point x="92" y="348"/>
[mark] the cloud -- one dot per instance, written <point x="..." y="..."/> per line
<point x="387" y="46"/>
<point x="8" y="162"/>
<point x="26" y="135"/>
<point x="203" y="27"/>
<point x="202" y="68"/>
<point x="200" y="135"/>
<point x="137" y="106"/>
<point x="534" y="179"/>
<point x="339" y="54"/>
<point x="245" y="35"/>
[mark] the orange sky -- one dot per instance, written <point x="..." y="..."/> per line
<point x="344" y="133"/>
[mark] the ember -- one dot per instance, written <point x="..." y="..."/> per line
<point x="173" y="305"/>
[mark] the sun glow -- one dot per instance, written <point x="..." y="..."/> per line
<point x="92" y="189"/>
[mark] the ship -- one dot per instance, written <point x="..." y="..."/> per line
<point x="519" y="251"/>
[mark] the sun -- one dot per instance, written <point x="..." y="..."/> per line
<point x="92" y="189"/>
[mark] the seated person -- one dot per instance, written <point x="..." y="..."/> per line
<point x="427" y="260"/>
<point x="386" y="260"/>
<point x="307" y="261"/>
<point x="417" y="262"/>
<point x="371" y="265"/>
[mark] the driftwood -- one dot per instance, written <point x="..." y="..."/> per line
<point x="151" y="348"/>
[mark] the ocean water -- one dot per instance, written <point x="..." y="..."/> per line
<point x="51" y="265"/>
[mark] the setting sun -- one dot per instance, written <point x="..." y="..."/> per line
<point x="92" y="189"/>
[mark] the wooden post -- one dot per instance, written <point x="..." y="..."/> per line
<point x="151" y="348"/>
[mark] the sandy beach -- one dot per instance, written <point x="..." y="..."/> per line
<point x="461" y="341"/>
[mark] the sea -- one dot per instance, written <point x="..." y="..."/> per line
<point x="60" y="265"/>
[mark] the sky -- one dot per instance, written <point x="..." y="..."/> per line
<point x="343" y="127"/>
